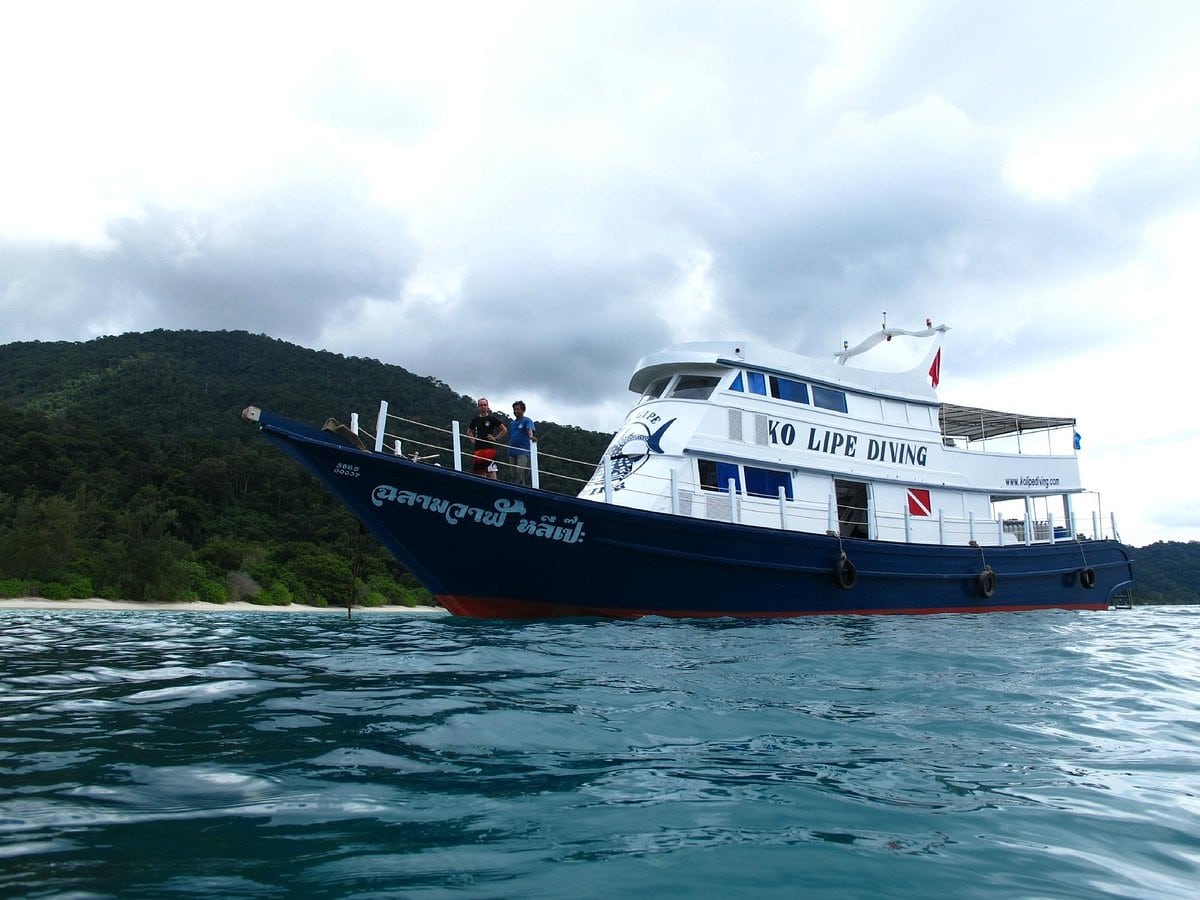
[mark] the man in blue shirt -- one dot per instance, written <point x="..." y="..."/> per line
<point x="520" y="435"/>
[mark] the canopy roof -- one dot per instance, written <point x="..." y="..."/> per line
<point x="975" y="423"/>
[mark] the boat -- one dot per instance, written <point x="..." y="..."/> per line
<point x="750" y="482"/>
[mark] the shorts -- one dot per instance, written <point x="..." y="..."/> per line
<point x="484" y="461"/>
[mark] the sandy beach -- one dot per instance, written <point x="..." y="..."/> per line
<point x="113" y="605"/>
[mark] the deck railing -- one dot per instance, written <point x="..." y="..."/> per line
<point x="422" y="442"/>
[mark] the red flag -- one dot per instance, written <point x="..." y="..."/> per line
<point x="935" y="370"/>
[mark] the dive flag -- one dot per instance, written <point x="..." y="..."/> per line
<point x="1078" y="439"/>
<point x="935" y="370"/>
<point x="918" y="502"/>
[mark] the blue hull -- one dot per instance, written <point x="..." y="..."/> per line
<point x="489" y="549"/>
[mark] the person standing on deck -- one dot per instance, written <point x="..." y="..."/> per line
<point x="520" y="436"/>
<point x="485" y="431"/>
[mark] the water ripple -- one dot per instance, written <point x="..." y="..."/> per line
<point x="1044" y="754"/>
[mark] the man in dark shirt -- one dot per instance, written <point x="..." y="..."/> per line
<point x="485" y="430"/>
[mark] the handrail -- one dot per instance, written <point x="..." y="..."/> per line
<point x="883" y="522"/>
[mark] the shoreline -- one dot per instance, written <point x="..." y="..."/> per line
<point x="96" y="603"/>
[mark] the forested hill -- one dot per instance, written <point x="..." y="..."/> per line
<point x="126" y="471"/>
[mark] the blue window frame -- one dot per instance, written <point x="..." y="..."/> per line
<point x="828" y="398"/>
<point x="786" y="389"/>
<point x="714" y="476"/>
<point x="767" y="482"/>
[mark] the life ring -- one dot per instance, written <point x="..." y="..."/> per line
<point x="987" y="583"/>
<point x="845" y="575"/>
<point x="1087" y="577"/>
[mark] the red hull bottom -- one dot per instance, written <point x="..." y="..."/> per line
<point x="504" y="608"/>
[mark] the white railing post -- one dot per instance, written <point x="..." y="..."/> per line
<point x="455" y="445"/>
<point x="783" y="507"/>
<point x="941" y="527"/>
<point x="396" y="451"/>
<point x="833" y="522"/>
<point x="1113" y="520"/>
<point x="1096" y="527"/>
<point x="1050" y="524"/>
<point x="971" y="525"/>
<point x="999" y="531"/>
<point x="1074" y="527"/>
<point x="608" y="490"/>
<point x="733" y="501"/>
<point x="381" y="425"/>
<point x="674" y="492"/>
<point x="907" y="525"/>
<point x="534" y="477"/>
<point x="354" y="423"/>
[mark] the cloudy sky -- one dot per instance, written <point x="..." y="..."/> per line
<point x="523" y="198"/>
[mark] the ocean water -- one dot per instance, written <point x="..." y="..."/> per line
<point x="153" y="754"/>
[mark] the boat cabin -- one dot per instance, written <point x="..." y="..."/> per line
<point x="734" y="433"/>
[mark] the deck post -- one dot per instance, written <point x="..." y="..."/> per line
<point x="354" y="423"/>
<point x="733" y="501"/>
<point x="1074" y="528"/>
<point x="534" y="476"/>
<point x="941" y="526"/>
<point x="381" y="425"/>
<point x="834" y="528"/>
<point x="971" y="524"/>
<point x="454" y="445"/>
<point x="783" y="507"/>
<point x="674" y="492"/>
<point x="1096" y="527"/>
<point x="1113" y="519"/>
<point x="1050" y="524"/>
<point x="608" y="490"/>
<point x="396" y="451"/>
<point x="1028" y="518"/>
<point x="999" y="531"/>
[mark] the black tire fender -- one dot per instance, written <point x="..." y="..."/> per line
<point x="845" y="574"/>
<point x="1087" y="577"/>
<point x="986" y="582"/>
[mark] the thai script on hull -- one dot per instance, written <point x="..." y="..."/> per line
<point x="504" y="512"/>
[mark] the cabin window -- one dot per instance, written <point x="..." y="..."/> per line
<point x="714" y="476"/>
<point x="694" y="387"/>
<point x="828" y="398"/>
<point x="758" y="383"/>
<point x="656" y="389"/>
<point x="786" y="389"/>
<point x="737" y="383"/>
<point x="767" y="482"/>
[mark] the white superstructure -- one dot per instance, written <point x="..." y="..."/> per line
<point x="732" y="431"/>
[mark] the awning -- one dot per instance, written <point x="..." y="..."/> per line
<point x="975" y="423"/>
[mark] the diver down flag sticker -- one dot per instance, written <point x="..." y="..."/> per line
<point x="918" y="501"/>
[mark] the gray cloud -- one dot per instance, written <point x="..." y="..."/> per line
<point x="284" y="263"/>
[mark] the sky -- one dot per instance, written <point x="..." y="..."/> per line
<point x="521" y="199"/>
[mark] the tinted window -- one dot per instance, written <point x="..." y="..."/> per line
<point x="714" y="476"/>
<point x="827" y="398"/>
<point x="694" y="387"/>
<point x="737" y="383"/>
<point x="767" y="482"/>
<point x="758" y="383"/>
<point x="656" y="388"/>
<point x="786" y="389"/>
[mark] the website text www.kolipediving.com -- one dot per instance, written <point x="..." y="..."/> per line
<point x="1040" y="481"/>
